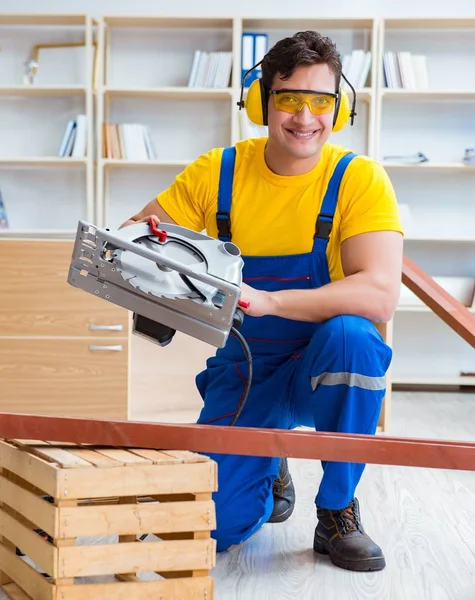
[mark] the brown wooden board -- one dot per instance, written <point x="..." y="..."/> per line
<point x="244" y="441"/>
<point x="451" y="311"/>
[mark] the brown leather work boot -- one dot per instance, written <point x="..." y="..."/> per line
<point x="340" y="534"/>
<point x="284" y="494"/>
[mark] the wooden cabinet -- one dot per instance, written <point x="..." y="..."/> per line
<point x="66" y="377"/>
<point x="35" y="298"/>
<point x="62" y="351"/>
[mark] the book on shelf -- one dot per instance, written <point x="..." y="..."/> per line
<point x="253" y="50"/>
<point x="404" y="70"/>
<point x="3" y="214"/>
<point x="210" y="69"/>
<point x="127" y="141"/>
<point x="356" y="67"/>
<point x="74" y="140"/>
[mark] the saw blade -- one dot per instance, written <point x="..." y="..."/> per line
<point x="152" y="278"/>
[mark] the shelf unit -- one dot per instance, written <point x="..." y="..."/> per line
<point x="43" y="193"/>
<point x="164" y="39"/>
<point x="143" y="64"/>
<point x="440" y="122"/>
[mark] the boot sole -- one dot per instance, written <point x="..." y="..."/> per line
<point x="282" y="516"/>
<point x="370" y="564"/>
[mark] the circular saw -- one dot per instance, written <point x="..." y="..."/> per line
<point x="171" y="278"/>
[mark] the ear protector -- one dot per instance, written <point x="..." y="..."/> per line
<point x="257" y="100"/>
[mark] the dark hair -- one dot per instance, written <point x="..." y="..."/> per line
<point x="303" y="48"/>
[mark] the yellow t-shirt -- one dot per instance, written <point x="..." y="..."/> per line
<point x="276" y="215"/>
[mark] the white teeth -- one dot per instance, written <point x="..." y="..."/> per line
<point x="303" y="135"/>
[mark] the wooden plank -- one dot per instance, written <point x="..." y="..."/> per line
<point x="124" y="456"/>
<point x="83" y="561"/>
<point x="451" y="311"/>
<point x="136" y="519"/>
<point x="14" y="592"/>
<point x="35" y="509"/>
<point x="193" y="588"/>
<point x="63" y="458"/>
<point x="157" y="457"/>
<point x="34" y="584"/>
<point x="249" y="441"/>
<point x="96" y="458"/>
<point x="41" y="552"/>
<point x="186" y="456"/>
<point x="33" y="469"/>
<point x="141" y="480"/>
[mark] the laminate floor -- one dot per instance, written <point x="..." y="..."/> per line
<point x="423" y="518"/>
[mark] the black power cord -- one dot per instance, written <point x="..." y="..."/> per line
<point x="247" y="387"/>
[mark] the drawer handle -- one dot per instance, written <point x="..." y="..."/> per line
<point x="117" y="348"/>
<point x="106" y="327"/>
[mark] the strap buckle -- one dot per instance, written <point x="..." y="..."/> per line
<point x="324" y="226"/>
<point x="223" y="221"/>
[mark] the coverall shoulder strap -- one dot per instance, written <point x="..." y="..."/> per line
<point x="225" y="194"/>
<point x="327" y="212"/>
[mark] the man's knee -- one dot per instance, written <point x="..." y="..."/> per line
<point x="351" y="340"/>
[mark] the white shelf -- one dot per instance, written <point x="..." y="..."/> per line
<point x="429" y="380"/>
<point x="42" y="90"/>
<point x="43" y="161"/>
<point x="445" y="240"/>
<point x="421" y="309"/>
<point x="127" y="164"/>
<point x="396" y="93"/>
<point x="38" y="233"/>
<point x="170" y="92"/>
<point x="305" y="24"/>
<point x="168" y="22"/>
<point x="28" y="19"/>
<point x="429" y="166"/>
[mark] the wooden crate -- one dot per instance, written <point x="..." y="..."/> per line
<point x="87" y="492"/>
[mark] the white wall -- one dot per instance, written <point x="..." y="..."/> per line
<point x="277" y="8"/>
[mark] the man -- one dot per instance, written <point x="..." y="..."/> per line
<point x="321" y="240"/>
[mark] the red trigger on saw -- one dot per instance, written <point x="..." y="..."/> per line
<point x="244" y="303"/>
<point x="160" y="233"/>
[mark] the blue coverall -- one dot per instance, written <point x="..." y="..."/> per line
<point x="328" y="375"/>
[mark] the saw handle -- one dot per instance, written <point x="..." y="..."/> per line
<point x="160" y="233"/>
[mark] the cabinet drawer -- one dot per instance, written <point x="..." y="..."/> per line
<point x="81" y="378"/>
<point x="35" y="298"/>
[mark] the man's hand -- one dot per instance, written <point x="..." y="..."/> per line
<point x="260" y="303"/>
<point x="152" y="210"/>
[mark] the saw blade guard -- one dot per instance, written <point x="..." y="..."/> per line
<point x="173" y="275"/>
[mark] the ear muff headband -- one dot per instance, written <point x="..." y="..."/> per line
<point x="257" y="101"/>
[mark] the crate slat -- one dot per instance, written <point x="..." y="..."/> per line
<point x="140" y="480"/>
<point x="129" y="519"/>
<point x="123" y="456"/>
<point x="39" y="550"/>
<point x="96" y="458"/>
<point x="34" y="584"/>
<point x="109" y="559"/>
<point x="14" y="592"/>
<point x="187" y="456"/>
<point x="35" y="509"/>
<point x="192" y="588"/>
<point x="156" y="456"/>
<point x="64" y="458"/>
<point x="42" y="474"/>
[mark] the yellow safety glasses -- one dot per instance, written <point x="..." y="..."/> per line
<point x="292" y="101"/>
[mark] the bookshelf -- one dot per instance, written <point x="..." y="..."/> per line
<point x="43" y="192"/>
<point x="142" y="69"/>
<point x="438" y="195"/>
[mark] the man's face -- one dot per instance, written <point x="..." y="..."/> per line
<point x="301" y="135"/>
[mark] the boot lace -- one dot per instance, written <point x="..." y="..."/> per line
<point x="349" y="518"/>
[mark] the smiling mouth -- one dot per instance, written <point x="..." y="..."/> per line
<point x="302" y="135"/>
